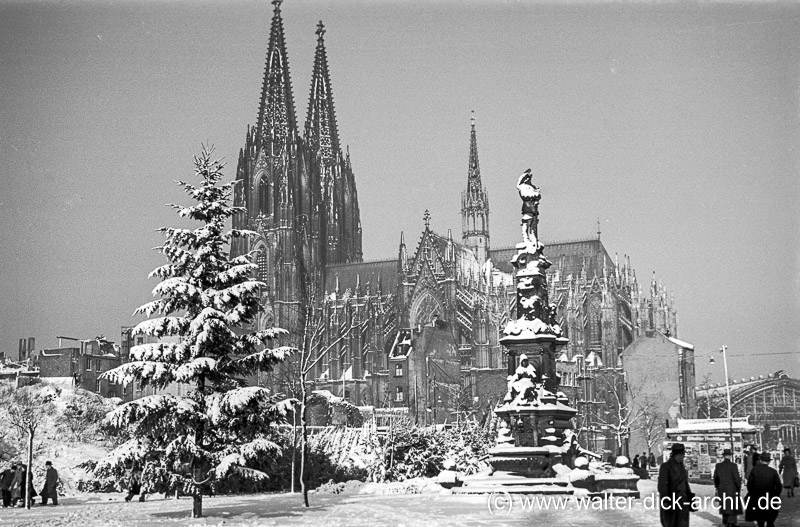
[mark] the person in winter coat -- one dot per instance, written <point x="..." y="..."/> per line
<point x="652" y="460"/>
<point x="18" y="486"/>
<point x="788" y="469"/>
<point x="675" y="495"/>
<point x="49" y="490"/>
<point x="635" y="463"/>
<point x="750" y="458"/>
<point x="135" y="484"/>
<point x="763" y="491"/>
<point x="6" y="478"/>
<point x="728" y="484"/>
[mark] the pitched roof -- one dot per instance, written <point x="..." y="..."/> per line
<point x="372" y="273"/>
<point x="569" y="257"/>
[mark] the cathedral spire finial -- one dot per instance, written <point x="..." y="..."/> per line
<point x="320" y="30"/>
<point x="426" y="217"/>
<point x="474" y="165"/>
<point x="277" y="4"/>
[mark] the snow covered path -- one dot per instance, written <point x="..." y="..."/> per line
<point x="353" y="510"/>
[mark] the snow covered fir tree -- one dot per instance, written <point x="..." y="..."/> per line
<point x="208" y="302"/>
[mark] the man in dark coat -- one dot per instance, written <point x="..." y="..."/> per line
<point x="763" y="492"/>
<point x="675" y="495"/>
<point x="728" y="484"/>
<point x="6" y="478"/>
<point x="750" y="457"/>
<point x="49" y="490"/>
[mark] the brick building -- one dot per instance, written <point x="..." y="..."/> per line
<point x="82" y="365"/>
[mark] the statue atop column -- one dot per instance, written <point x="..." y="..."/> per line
<point x="535" y="315"/>
<point x="530" y="207"/>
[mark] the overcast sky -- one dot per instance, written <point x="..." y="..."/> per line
<point x="674" y="125"/>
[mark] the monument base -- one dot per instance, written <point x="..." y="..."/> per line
<point x="531" y="462"/>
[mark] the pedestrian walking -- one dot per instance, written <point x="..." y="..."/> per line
<point x="788" y="471"/>
<point x="635" y="461"/>
<point x="764" y="493"/>
<point x="652" y="460"/>
<point x="675" y="495"/>
<point x="135" y="485"/>
<point x="6" y="478"/>
<point x="750" y="458"/>
<point x="16" y="486"/>
<point x="729" y="485"/>
<point x="50" y="491"/>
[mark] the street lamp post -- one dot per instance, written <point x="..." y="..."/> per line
<point x="723" y="349"/>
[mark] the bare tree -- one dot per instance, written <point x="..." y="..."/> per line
<point x="26" y="410"/>
<point x="621" y="415"/>
<point x="652" y="421"/>
<point x="315" y="346"/>
<point x="459" y="400"/>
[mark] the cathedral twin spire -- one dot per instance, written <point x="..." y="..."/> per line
<point x="299" y="190"/>
<point x="321" y="132"/>
<point x="276" y="112"/>
<point x="276" y="117"/>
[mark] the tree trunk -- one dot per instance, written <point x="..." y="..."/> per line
<point x="29" y="473"/>
<point x="197" y="466"/>
<point x="294" y="449"/>
<point x="304" y="442"/>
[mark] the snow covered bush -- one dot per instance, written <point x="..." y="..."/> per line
<point x="409" y="451"/>
<point x="82" y="416"/>
<point x="209" y="301"/>
<point x="321" y="467"/>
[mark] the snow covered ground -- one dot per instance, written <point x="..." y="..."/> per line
<point x="332" y="510"/>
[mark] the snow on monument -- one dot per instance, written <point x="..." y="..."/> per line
<point x="537" y="449"/>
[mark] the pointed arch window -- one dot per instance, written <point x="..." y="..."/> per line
<point x="262" y="261"/>
<point x="264" y="195"/>
<point x="424" y="308"/>
<point x="595" y="321"/>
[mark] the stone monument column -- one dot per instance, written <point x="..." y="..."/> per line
<point x="534" y="415"/>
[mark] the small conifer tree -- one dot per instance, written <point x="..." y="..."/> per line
<point x="209" y="301"/>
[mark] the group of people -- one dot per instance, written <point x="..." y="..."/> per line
<point x="12" y="485"/>
<point x="644" y="460"/>
<point x="764" y="487"/>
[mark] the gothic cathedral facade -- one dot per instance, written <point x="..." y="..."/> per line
<point x="418" y="331"/>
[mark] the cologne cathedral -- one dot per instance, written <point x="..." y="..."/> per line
<point x="419" y="330"/>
